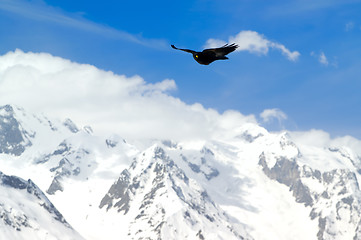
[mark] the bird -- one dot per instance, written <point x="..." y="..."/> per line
<point x="210" y="55"/>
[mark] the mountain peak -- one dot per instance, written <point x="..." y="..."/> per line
<point x="155" y="192"/>
<point x="12" y="137"/>
<point x="249" y="184"/>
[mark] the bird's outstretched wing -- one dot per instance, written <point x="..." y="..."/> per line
<point x="186" y="50"/>
<point x="222" y="51"/>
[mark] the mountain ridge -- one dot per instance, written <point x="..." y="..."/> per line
<point x="25" y="212"/>
<point x="245" y="184"/>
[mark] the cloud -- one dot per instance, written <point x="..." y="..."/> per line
<point x="322" y="139"/>
<point x="324" y="152"/>
<point x="128" y="106"/>
<point x="323" y="59"/>
<point x="108" y="102"/>
<point x="268" y="114"/>
<point x="38" y="10"/>
<point x="254" y="42"/>
<point x="349" y="26"/>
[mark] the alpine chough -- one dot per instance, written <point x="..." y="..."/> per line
<point x="210" y="55"/>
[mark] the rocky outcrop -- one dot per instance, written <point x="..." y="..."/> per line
<point x="331" y="195"/>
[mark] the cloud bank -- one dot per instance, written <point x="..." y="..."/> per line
<point x="128" y="106"/>
<point x="254" y="42"/>
<point x="108" y="102"/>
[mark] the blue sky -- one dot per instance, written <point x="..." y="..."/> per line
<point x="320" y="88"/>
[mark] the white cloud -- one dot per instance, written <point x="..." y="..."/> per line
<point x="349" y="26"/>
<point x="327" y="153"/>
<point x="165" y="85"/>
<point x="322" y="58"/>
<point x="129" y="106"/>
<point x="268" y="114"/>
<point x="214" y="43"/>
<point x="322" y="139"/>
<point x="108" y="102"/>
<point x="254" y="42"/>
<point x="38" y="10"/>
<point x="316" y="138"/>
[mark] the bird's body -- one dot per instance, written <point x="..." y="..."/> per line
<point x="210" y="55"/>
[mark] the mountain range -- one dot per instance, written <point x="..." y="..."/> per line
<point x="247" y="184"/>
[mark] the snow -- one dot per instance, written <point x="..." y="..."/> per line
<point x="219" y="155"/>
<point x="32" y="221"/>
<point x="321" y="152"/>
<point x="226" y="168"/>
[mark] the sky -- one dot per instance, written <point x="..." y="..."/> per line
<point x="297" y="67"/>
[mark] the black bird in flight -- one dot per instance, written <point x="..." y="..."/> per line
<point x="212" y="54"/>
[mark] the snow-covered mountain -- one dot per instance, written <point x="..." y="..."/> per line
<point x="159" y="201"/>
<point x="246" y="184"/>
<point x="26" y="213"/>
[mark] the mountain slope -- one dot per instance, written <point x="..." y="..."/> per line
<point x="154" y="194"/>
<point x="26" y="213"/>
<point x="334" y="195"/>
<point x="245" y="184"/>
